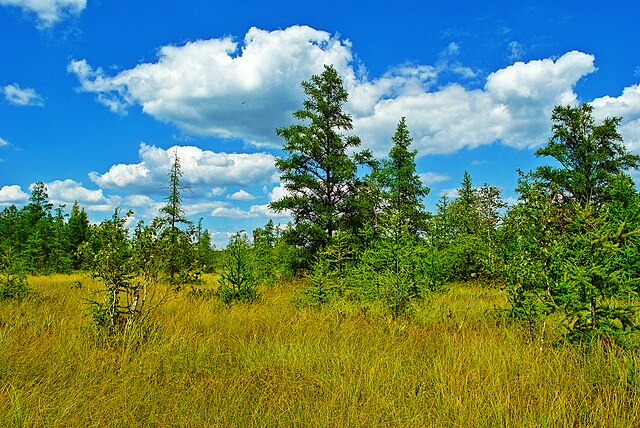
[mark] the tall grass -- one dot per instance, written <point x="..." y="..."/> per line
<point x="276" y="364"/>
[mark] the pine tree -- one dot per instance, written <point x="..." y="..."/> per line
<point x="318" y="171"/>
<point x="174" y="215"/>
<point x="402" y="190"/>
<point x="590" y="155"/>
<point x="76" y="231"/>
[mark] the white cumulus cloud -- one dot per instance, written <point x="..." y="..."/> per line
<point x="626" y="106"/>
<point x="12" y="195"/>
<point x="3" y="142"/>
<point x="218" y="87"/>
<point x="48" y="12"/>
<point x="67" y="191"/>
<point x="241" y="195"/>
<point x="16" y="95"/>
<point x="221" y="87"/>
<point x="513" y="107"/>
<point x="199" y="168"/>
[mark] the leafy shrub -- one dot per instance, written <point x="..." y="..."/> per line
<point x="13" y="283"/>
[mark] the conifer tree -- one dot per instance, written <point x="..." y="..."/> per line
<point x="318" y="171"/>
<point x="402" y="189"/>
<point x="590" y="155"/>
<point x="174" y="215"/>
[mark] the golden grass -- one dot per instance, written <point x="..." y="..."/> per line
<point x="275" y="364"/>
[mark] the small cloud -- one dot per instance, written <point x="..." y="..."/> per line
<point x="479" y="162"/>
<point x="255" y="211"/>
<point x="230" y="212"/>
<point x="12" y="194"/>
<point x="18" y="96"/>
<point x="241" y="195"/>
<point x="452" y="50"/>
<point x="48" y="12"/>
<point x="216" y="191"/>
<point x="516" y="51"/>
<point x="636" y="72"/>
<point x="449" y="193"/>
<point x="449" y="62"/>
<point x="3" y="142"/>
<point x="433" y="177"/>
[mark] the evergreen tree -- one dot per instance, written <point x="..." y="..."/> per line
<point x="590" y="155"/>
<point x="174" y="215"/>
<point x="76" y="232"/>
<point x="39" y="226"/>
<point x="318" y="171"/>
<point x="402" y="190"/>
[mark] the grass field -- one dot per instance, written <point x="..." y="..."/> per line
<point x="277" y="364"/>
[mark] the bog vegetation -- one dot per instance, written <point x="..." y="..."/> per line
<point x="364" y="310"/>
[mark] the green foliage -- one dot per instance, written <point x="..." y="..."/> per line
<point x="318" y="171"/>
<point x="590" y="155"/>
<point x="237" y="279"/>
<point x="464" y="230"/>
<point x="130" y="270"/>
<point x="113" y="264"/>
<point x="397" y="269"/>
<point x="332" y="264"/>
<point x="401" y="189"/>
<point x="568" y="259"/>
<point x="13" y="283"/>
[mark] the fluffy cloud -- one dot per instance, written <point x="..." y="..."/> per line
<point x="67" y="191"/>
<point x="3" y="142"/>
<point x="513" y="107"/>
<point x="241" y="195"/>
<point x="16" y="95"/>
<point x="48" y="12"/>
<point x="219" y="87"/>
<point x="432" y="178"/>
<point x="199" y="168"/>
<point x="255" y="211"/>
<point x="12" y="195"/>
<point x="626" y="106"/>
<point x="215" y="87"/>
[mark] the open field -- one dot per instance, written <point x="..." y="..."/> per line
<point x="276" y="364"/>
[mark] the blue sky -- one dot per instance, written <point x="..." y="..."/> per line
<point x="95" y="95"/>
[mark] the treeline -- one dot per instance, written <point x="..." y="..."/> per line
<point x="567" y="251"/>
<point x="40" y="239"/>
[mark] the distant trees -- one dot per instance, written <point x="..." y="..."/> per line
<point x="40" y="237"/>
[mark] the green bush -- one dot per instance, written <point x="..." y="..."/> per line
<point x="238" y="281"/>
<point x="13" y="283"/>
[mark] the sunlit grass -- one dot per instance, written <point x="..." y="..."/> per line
<point x="274" y="363"/>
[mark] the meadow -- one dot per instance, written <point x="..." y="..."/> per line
<point x="277" y="363"/>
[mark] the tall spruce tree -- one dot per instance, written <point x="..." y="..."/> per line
<point x="173" y="216"/>
<point x="318" y="171"/>
<point x="402" y="189"/>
